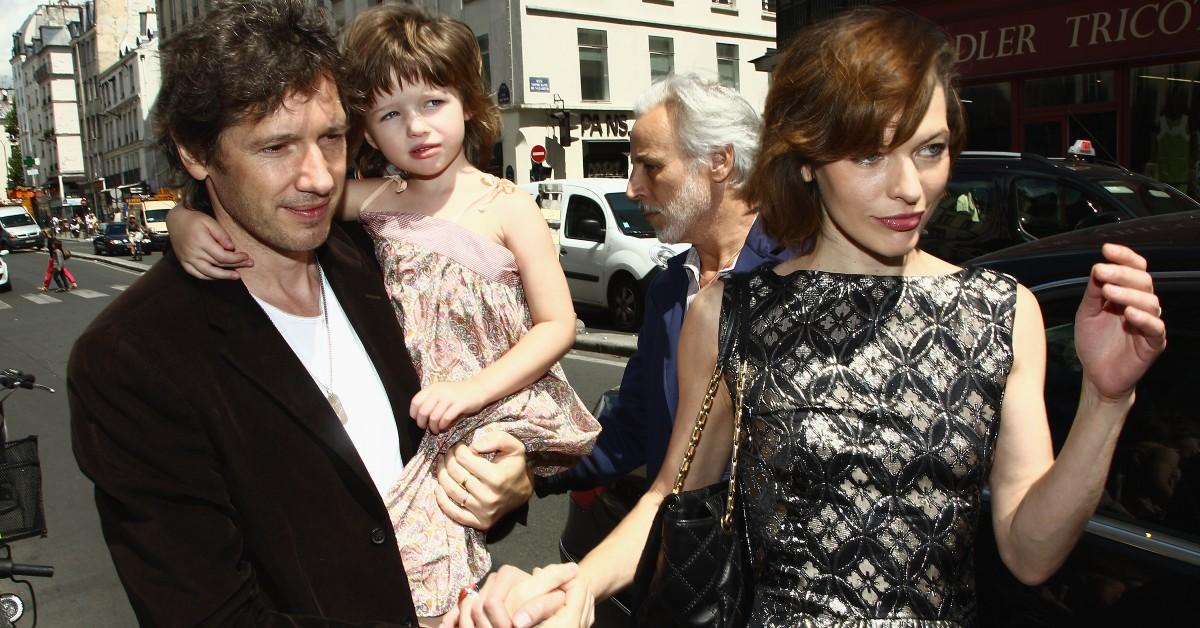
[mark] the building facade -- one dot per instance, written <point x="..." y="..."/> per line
<point x="1036" y="76"/>
<point x="111" y="32"/>
<point x="44" y="77"/>
<point x="587" y="62"/>
<point x="129" y="157"/>
<point x="174" y="15"/>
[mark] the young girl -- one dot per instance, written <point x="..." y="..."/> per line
<point x="58" y="261"/>
<point x="470" y="267"/>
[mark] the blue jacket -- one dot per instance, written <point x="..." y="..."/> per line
<point x="637" y="426"/>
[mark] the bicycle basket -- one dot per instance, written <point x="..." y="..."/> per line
<point x="21" y="513"/>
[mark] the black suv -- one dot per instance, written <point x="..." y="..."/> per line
<point x="996" y="200"/>
<point x="1138" y="561"/>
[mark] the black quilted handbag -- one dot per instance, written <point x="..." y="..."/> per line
<point x="694" y="570"/>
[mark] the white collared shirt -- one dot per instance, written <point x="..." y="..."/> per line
<point x="691" y="264"/>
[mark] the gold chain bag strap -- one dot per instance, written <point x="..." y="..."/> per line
<point x="694" y="570"/>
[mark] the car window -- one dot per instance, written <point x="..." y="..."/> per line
<point x="114" y="229"/>
<point x="1047" y="206"/>
<point x="1154" y="480"/>
<point x="967" y="211"/>
<point x="16" y="220"/>
<point x="630" y="219"/>
<point x="580" y="208"/>
<point x="1148" y="198"/>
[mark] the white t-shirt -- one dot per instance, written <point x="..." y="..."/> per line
<point x="371" y="425"/>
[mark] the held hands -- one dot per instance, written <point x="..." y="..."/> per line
<point x="1119" y="331"/>
<point x="476" y="492"/>
<point x="439" y="405"/>
<point x="511" y="598"/>
<point x="202" y="246"/>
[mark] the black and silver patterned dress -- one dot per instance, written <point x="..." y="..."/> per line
<point x="871" y="418"/>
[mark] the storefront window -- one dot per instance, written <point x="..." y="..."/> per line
<point x="606" y="159"/>
<point x="1165" y="125"/>
<point x="1075" y="89"/>
<point x="988" y="109"/>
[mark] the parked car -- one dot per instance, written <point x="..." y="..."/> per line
<point x="607" y="248"/>
<point x="5" y="280"/>
<point x="1138" y="562"/>
<point x="18" y="230"/>
<point x="111" y="239"/>
<point x="996" y="200"/>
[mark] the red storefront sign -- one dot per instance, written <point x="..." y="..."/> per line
<point x="1017" y="36"/>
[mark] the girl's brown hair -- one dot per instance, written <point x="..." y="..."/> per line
<point x="390" y="44"/>
<point x="838" y="87"/>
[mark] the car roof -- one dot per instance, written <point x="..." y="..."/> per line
<point x="1169" y="242"/>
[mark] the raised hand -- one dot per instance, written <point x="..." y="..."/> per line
<point x="1119" y="331"/>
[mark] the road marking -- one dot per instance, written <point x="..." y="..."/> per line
<point x="41" y="299"/>
<point x="84" y="293"/>
<point x="119" y="288"/>
<point x="5" y="306"/>
<point x="587" y="358"/>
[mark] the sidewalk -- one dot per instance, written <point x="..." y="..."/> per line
<point x="599" y="341"/>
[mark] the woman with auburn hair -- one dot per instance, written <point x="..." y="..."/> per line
<point x="885" y="387"/>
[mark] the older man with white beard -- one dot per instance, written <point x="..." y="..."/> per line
<point x="692" y="146"/>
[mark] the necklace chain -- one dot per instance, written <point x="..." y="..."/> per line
<point x="335" y="403"/>
<point x="325" y="320"/>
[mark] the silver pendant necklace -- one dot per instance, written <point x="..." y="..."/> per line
<point x="330" y="396"/>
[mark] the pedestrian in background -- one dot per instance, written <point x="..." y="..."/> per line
<point x="58" y="261"/>
<point x="50" y="242"/>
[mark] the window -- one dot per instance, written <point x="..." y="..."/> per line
<point x="662" y="57"/>
<point x="580" y="209"/>
<point x="482" y="40"/>
<point x="1074" y="89"/>
<point x="1046" y="207"/>
<point x="593" y="64"/>
<point x="966" y="212"/>
<point x="989" y="115"/>
<point x="727" y="65"/>
<point x="1154" y="481"/>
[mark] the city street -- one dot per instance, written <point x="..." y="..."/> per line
<point x="36" y="333"/>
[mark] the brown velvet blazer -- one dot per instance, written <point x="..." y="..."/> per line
<point x="228" y="492"/>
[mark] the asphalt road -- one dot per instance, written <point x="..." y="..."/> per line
<point x="36" y="333"/>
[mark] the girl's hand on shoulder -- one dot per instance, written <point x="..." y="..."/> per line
<point x="203" y="248"/>
<point x="437" y="406"/>
<point x="1119" y="331"/>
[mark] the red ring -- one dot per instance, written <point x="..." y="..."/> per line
<point x="467" y="592"/>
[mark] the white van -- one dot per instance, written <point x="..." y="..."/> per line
<point x="18" y="230"/>
<point x="607" y="248"/>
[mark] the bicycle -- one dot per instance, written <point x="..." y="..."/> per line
<point x="21" y="512"/>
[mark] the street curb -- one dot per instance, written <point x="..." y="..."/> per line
<point x="119" y="263"/>
<point x="603" y="342"/>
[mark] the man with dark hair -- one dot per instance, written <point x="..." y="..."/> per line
<point x="239" y="463"/>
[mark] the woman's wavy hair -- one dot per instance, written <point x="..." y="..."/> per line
<point x="839" y="85"/>
<point x="239" y="64"/>
<point x="391" y="44"/>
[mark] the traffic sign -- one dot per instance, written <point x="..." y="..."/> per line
<point x="538" y="154"/>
